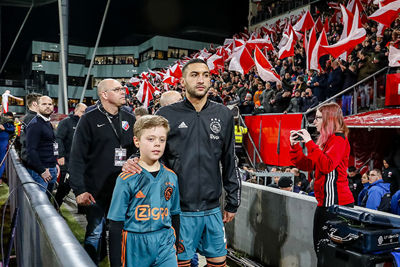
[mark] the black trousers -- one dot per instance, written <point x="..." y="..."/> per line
<point x="321" y="216"/>
<point x="63" y="187"/>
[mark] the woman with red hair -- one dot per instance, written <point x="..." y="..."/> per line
<point x="329" y="159"/>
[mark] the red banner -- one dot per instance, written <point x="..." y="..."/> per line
<point x="272" y="141"/>
<point x="392" y="89"/>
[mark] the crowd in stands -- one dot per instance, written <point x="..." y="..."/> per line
<point x="301" y="90"/>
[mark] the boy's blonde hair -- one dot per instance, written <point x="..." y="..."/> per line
<point x="148" y="122"/>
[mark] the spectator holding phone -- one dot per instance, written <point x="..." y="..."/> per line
<point x="329" y="159"/>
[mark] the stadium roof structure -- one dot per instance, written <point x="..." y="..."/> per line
<point x="25" y="3"/>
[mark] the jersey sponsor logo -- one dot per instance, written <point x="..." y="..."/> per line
<point x="181" y="247"/>
<point x="145" y="213"/>
<point x="140" y="195"/>
<point x="215" y="125"/>
<point x="100" y="125"/>
<point x="125" y="125"/>
<point x="182" y="125"/>
<point x="168" y="193"/>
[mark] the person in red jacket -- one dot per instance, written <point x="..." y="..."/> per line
<point x="329" y="159"/>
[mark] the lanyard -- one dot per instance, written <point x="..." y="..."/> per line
<point x="113" y="127"/>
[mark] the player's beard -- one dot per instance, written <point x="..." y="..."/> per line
<point x="192" y="92"/>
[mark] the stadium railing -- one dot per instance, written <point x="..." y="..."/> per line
<point x="42" y="236"/>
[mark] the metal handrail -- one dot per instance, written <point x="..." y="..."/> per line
<point x="345" y="91"/>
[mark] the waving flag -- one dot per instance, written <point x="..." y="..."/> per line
<point x="353" y="4"/>
<point x="175" y="71"/>
<point x="326" y="25"/>
<point x="394" y="57"/>
<point x="317" y="52"/>
<point x="312" y="41"/>
<point x="260" y="43"/>
<point x="214" y="63"/>
<point x="145" y="93"/>
<point x="170" y="80"/>
<point x="134" y="81"/>
<point x="288" y="49"/>
<point x="241" y="60"/>
<point x="318" y="25"/>
<point x="387" y="14"/>
<point x="264" y="68"/>
<point x="305" y="23"/>
<point x="356" y="36"/>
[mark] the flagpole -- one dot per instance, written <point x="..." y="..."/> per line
<point x="94" y="51"/>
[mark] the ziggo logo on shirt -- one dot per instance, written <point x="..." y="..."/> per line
<point x="145" y="212"/>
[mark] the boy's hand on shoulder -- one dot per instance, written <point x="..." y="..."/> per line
<point x="132" y="166"/>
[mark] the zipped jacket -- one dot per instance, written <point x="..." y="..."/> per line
<point x="200" y="150"/>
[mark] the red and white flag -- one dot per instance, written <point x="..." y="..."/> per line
<point x="305" y="23"/>
<point x="241" y="60"/>
<point x="387" y="14"/>
<point x="356" y="36"/>
<point x="134" y="81"/>
<point x="394" y="57"/>
<point x="145" y="93"/>
<point x="204" y="54"/>
<point x="318" y="25"/>
<point x="264" y="68"/>
<point x="170" y="80"/>
<point x="214" y="63"/>
<point x="175" y="71"/>
<point x="353" y="4"/>
<point x="310" y="45"/>
<point x="288" y="49"/>
<point x="317" y="52"/>
<point x="334" y="5"/>
<point x="326" y="25"/>
<point x="260" y="43"/>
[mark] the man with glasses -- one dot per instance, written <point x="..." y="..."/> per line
<point x="101" y="144"/>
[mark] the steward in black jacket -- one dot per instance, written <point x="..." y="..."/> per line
<point x="91" y="163"/>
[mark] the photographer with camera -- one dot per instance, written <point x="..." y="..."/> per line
<point x="329" y="159"/>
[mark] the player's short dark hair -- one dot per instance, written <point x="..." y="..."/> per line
<point x="192" y="61"/>
<point x="148" y="122"/>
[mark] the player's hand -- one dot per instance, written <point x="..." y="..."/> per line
<point x="2" y="127"/>
<point x="46" y="175"/>
<point x="61" y="161"/>
<point x="132" y="166"/>
<point x="228" y="216"/>
<point x="85" y="199"/>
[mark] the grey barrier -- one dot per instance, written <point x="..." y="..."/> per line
<point x="42" y="237"/>
<point x="275" y="227"/>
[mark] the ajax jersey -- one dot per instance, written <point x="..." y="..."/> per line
<point x="145" y="203"/>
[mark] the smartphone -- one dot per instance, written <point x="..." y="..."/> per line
<point x="298" y="138"/>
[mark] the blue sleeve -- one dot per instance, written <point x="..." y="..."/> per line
<point x="9" y="128"/>
<point x="120" y="199"/>
<point x="175" y="204"/>
<point x="374" y="199"/>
